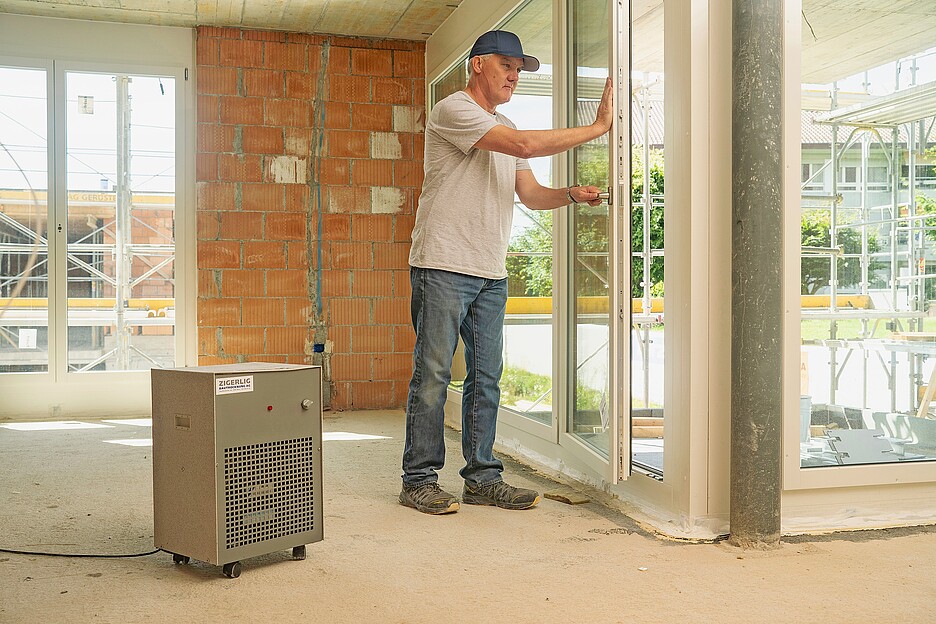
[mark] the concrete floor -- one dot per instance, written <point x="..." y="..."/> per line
<point x="69" y="491"/>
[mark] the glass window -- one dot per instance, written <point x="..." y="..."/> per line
<point x="120" y="172"/>
<point x="868" y="264"/>
<point x="24" y="248"/>
<point x="647" y="230"/>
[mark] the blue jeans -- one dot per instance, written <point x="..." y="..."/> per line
<point x="445" y="304"/>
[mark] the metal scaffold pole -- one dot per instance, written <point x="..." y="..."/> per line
<point x="122" y="228"/>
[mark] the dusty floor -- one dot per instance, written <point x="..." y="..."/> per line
<point x="69" y="491"/>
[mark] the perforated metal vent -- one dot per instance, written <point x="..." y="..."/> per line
<point x="268" y="491"/>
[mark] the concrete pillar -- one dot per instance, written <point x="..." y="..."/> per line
<point x="757" y="272"/>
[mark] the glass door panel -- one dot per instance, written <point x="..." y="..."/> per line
<point x="647" y="310"/>
<point x="120" y="175"/>
<point x="590" y="230"/>
<point x="24" y="248"/>
<point x="526" y="385"/>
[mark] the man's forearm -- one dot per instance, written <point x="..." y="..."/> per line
<point x="535" y="143"/>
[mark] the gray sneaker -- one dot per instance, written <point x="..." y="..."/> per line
<point x="500" y="494"/>
<point x="428" y="498"/>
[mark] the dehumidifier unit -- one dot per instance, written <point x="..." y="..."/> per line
<point x="237" y="461"/>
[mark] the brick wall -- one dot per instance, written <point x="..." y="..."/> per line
<point x="308" y="170"/>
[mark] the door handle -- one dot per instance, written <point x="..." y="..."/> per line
<point x="605" y="196"/>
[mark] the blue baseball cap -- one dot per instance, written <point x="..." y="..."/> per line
<point x="505" y="43"/>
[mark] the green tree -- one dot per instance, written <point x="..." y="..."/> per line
<point x="532" y="276"/>
<point x="816" y="271"/>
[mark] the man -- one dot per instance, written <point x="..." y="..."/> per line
<point x="475" y="160"/>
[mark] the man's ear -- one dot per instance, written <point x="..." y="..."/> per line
<point x="476" y="64"/>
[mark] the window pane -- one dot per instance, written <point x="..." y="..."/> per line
<point x="589" y="269"/>
<point x="24" y="250"/>
<point x="120" y="164"/>
<point x="868" y="265"/>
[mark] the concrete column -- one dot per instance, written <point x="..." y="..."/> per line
<point x="757" y="275"/>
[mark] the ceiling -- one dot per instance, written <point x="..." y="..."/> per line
<point x="840" y="37"/>
<point x="391" y="19"/>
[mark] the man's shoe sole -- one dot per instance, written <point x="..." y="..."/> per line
<point x="468" y="499"/>
<point x="429" y="510"/>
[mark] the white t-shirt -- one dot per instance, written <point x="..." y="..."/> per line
<point x="466" y="206"/>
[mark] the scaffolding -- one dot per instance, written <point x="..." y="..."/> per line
<point x="903" y="117"/>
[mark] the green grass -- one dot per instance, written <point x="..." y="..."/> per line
<point x="816" y="329"/>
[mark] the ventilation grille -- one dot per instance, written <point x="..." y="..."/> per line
<point x="268" y="491"/>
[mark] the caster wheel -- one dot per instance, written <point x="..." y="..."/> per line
<point x="180" y="559"/>
<point x="299" y="553"/>
<point x="232" y="570"/>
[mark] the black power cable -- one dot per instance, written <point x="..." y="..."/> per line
<point x="78" y="555"/>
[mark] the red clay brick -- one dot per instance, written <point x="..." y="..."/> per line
<point x="341" y="394"/>
<point x="340" y="335"/>
<point x="287" y="283"/>
<point x="297" y="255"/>
<point x="290" y="56"/>
<point x="286" y="113"/>
<point x="372" y="117"/>
<point x="349" y="311"/>
<point x="203" y="32"/>
<point x="206" y="167"/>
<point x="371" y="62"/>
<point x="372" y="284"/>
<point x="403" y="228"/>
<point x="216" y="80"/>
<point x="218" y="312"/>
<point x="336" y="227"/>
<point x="407" y="173"/>
<point x="347" y="366"/>
<point x="262" y="312"/>
<point x="299" y="311"/>
<point x="372" y="228"/>
<point x="391" y="255"/>
<point x="351" y="88"/>
<point x="286" y="226"/>
<point x="339" y="61"/>
<point x="378" y="172"/>
<point x="300" y="85"/>
<point x="298" y="141"/>
<point x="286" y="339"/>
<point x="262" y="140"/>
<point x="404" y="338"/>
<point x="242" y="340"/>
<point x="264" y="255"/>
<point x="264" y="35"/>
<point x="393" y="311"/>
<point x="262" y="197"/>
<point x="393" y="90"/>
<point x="352" y="255"/>
<point x="239" y="168"/>
<point x="337" y="115"/>
<point x="347" y="144"/>
<point x="401" y="283"/>
<point x="396" y="366"/>
<point x="263" y="83"/>
<point x="238" y="225"/>
<point x="215" y="138"/>
<point x="336" y="284"/>
<point x="207" y="340"/>
<point x="208" y="284"/>
<point x="419" y="146"/>
<point x="297" y="198"/>
<point x="241" y="53"/>
<point x="208" y="224"/>
<point x="242" y="283"/>
<point x="408" y="64"/>
<point x="242" y="110"/>
<point x="370" y="339"/>
<point x="355" y="199"/>
<point x="334" y="171"/>
<point x="218" y="254"/>
<point x="372" y="394"/>
<point x="208" y="108"/>
<point x="209" y="360"/>
<point x="314" y="52"/>
<point x="206" y="51"/>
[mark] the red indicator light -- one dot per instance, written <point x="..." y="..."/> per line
<point x="269" y="408"/>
